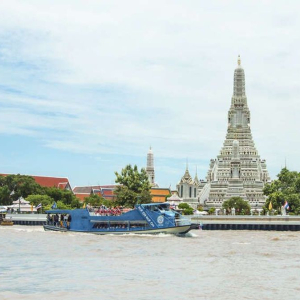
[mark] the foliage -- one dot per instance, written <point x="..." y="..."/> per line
<point x="65" y="196"/>
<point x="285" y="188"/>
<point x="241" y="206"/>
<point x="186" y="209"/>
<point x="13" y="187"/>
<point x="37" y="199"/>
<point x="134" y="187"/>
<point x="200" y="208"/>
<point x="183" y="206"/>
<point x="96" y="200"/>
<point x="211" y="211"/>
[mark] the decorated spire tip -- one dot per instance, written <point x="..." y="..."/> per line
<point x="239" y="60"/>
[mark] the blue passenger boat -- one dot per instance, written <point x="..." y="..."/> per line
<point x="144" y="218"/>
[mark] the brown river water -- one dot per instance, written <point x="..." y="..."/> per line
<point x="35" y="264"/>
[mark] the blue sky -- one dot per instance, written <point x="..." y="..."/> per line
<point x="87" y="86"/>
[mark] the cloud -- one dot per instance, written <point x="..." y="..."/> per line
<point x="115" y="77"/>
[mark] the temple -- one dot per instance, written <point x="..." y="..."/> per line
<point x="188" y="187"/>
<point x="238" y="169"/>
<point x="150" y="167"/>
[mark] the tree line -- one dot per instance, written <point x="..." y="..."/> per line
<point x="12" y="187"/>
<point x="134" y="188"/>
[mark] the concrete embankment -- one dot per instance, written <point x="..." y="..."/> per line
<point x="27" y="219"/>
<point x="279" y="223"/>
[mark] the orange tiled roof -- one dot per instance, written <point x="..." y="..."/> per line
<point x="81" y="196"/>
<point x="158" y="199"/>
<point x="159" y="194"/>
<point x="106" y="191"/>
<point x="59" y="182"/>
<point x="160" y="191"/>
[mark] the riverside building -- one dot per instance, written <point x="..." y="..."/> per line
<point x="238" y="170"/>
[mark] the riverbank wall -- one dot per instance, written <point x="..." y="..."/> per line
<point x="28" y="219"/>
<point x="278" y="223"/>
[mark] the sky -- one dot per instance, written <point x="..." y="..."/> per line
<point x="86" y="87"/>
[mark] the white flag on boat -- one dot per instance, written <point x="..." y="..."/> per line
<point x="39" y="206"/>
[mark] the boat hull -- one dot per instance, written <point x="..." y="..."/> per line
<point x="7" y="223"/>
<point x="169" y="230"/>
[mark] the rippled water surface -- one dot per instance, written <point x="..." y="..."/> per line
<point x="36" y="264"/>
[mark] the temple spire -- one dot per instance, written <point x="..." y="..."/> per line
<point x="239" y="60"/>
<point x="239" y="80"/>
<point x="150" y="167"/>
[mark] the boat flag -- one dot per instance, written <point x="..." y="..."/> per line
<point x="286" y="205"/>
<point x="39" y="206"/>
<point x="270" y="206"/>
<point x="31" y="207"/>
<point x="54" y="205"/>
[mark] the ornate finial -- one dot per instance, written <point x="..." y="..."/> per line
<point x="239" y="60"/>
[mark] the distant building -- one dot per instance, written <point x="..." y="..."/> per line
<point x="58" y="182"/>
<point x="188" y="188"/>
<point x="159" y="194"/>
<point x="174" y="201"/>
<point x="105" y="191"/>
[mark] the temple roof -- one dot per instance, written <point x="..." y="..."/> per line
<point x="186" y="178"/>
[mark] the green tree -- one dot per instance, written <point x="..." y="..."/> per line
<point x="37" y="199"/>
<point x="96" y="200"/>
<point x="241" y="206"/>
<point x="211" y="211"/>
<point x="285" y="188"/>
<point x="183" y="206"/>
<point x="15" y="186"/>
<point x="5" y="198"/>
<point x="186" y="209"/>
<point x="65" y="196"/>
<point x="134" y="187"/>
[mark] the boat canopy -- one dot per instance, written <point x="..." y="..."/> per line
<point x="157" y="206"/>
<point x="58" y="211"/>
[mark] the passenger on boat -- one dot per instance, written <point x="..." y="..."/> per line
<point x="56" y="220"/>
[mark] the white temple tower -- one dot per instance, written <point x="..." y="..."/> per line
<point x="150" y="167"/>
<point x="238" y="169"/>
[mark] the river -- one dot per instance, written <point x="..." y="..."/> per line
<point x="35" y="264"/>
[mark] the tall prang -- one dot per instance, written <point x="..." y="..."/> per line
<point x="150" y="167"/>
<point x="238" y="169"/>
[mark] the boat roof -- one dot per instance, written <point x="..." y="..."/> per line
<point x="58" y="211"/>
<point x="155" y="204"/>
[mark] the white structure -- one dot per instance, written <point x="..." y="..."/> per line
<point x="22" y="205"/>
<point x="188" y="188"/>
<point x="150" y="167"/>
<point x="238" y="169"/>
<point x="174" y="201"/>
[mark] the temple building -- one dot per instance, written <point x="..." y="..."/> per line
<point x="150" y="167"/>
<point x="188" y="187"/>
<point x="238" y="170"/>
